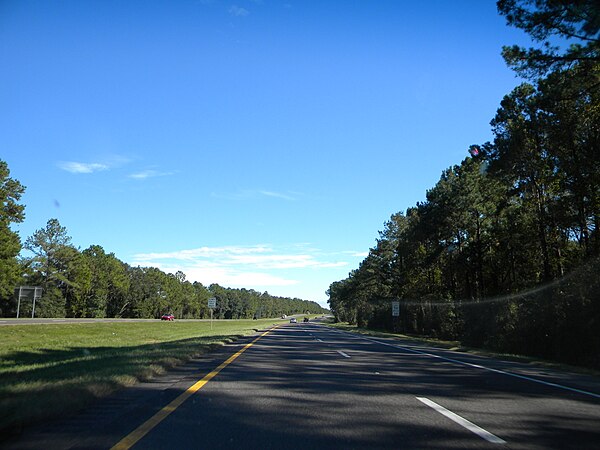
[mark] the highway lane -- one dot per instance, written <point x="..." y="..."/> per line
<point x="290" y="391"/>
<point x="307" y="386"/>
<point x="527" y="406"/>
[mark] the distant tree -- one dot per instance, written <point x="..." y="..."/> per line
<point x="109" y="284"/>
<point x="156" y="301"/>
<point x="46" y="244"/>
<point x="75" y="282"/>
<point x="198" y="307"/>
<point x="10" y="244"/>
<point x="342" y="300"/>
<point x="52" y="263"/>
<point x="138" y="292"/>
<point x="222" y="311"/>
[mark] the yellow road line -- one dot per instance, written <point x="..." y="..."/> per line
<point x="132" y="438"/>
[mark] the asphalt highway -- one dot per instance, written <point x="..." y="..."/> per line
<point x="307" y="386"/>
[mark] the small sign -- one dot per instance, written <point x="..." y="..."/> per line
<point x="212" y="302"/>
<point x="395" y="309"/>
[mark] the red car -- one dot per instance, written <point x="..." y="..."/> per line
<point x="167" y="317"/>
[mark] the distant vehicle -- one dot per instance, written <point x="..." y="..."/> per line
<point x="284" y="317"/>
<point x="293" y="320"/>
<point x="167" y="317"/>
<point x="306" y="319"/>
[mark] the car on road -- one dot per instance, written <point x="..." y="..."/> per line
<point x="169" y="317"/>
<point x="293" y="320"/>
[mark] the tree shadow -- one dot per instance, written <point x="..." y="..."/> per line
<point x="47" y="382"/>
<point x="291" y="391"/>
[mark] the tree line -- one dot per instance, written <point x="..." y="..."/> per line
<point x="504" y="252"/>
<point x="94" y="283"/>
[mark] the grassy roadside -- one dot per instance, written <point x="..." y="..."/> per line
<point x="458" y="347"/>
<point x="48" y="370"/>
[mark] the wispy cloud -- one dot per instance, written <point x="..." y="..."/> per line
<point x="258" y="256"/>
<point x="150" y="173"/>
<point x="277" y="195"/>
<point x="106" y="162"/>
<point x="249" y="194"/>
<point x="229" y="277"/>
<point x="238" y="11"/>
<point x="80" y="167"/>
<point x="239" y="266"/>
<point x="110" y="163"/>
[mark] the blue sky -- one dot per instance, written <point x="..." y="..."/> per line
<point x="258" y="144"/>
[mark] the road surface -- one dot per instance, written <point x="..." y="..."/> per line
<point x="307" y="386"/>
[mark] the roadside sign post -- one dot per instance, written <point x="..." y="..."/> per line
<point x="395" y="314"/>
<point x="35" y="292"/>
<point x="212" y="304"/>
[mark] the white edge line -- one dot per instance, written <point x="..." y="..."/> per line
<point x="343" y="354"/>
<point x="477" y="366"/>
<point x="484" y="434"/>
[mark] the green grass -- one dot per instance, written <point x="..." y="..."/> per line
<point x="49" y="370"/>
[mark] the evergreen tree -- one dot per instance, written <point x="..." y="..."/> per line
<point x="54" y="256"/>
<point x="10" y="244"/>
<point x="575" y="23"/>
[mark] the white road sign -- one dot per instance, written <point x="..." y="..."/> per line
<point x="396" y="309"/>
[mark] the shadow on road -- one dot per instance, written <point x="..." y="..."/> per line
<point x="293" y="391"/>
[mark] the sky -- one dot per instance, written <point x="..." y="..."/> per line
<point x="250" y="143"/>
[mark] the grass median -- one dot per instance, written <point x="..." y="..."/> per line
<point x="49" y="370"/>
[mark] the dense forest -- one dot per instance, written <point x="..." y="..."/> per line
<point x="93" y="283"/>
<point x="504" y="252"/>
